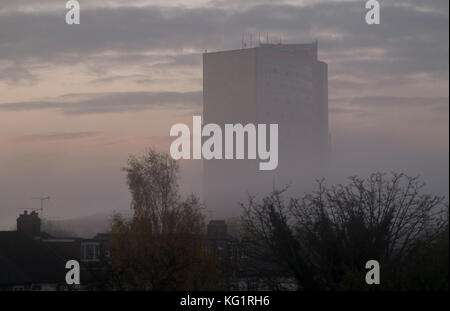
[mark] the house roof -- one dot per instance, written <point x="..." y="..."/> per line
<point x="24" y="260"/>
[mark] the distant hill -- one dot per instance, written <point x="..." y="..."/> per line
<point x="86" y="226"/>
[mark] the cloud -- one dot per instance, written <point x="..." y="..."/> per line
<point x="95" y="103"/>
<point x="397" y="101"/>
<point x="53" y="136"/>
<point x="411" y="35"/>
<point x="181" y="60"/>
<point x="14" y="73"/>
<point x="371" y="106"/>
<point x="356" y="112"/>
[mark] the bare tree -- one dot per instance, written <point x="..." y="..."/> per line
<point x="323" y="240"/>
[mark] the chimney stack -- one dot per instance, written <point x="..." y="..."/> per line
<point x="29" y="224"/>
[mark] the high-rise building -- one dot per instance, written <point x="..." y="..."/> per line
<point x="284" y="84"/>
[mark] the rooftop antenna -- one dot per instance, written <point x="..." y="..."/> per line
<point x="42" y="199"/>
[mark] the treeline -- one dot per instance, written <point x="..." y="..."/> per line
<point x="318" y="242"/>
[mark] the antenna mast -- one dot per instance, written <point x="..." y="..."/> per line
<point x="42" y="199"/>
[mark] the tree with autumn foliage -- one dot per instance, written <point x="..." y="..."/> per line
<point x="162" y="247"/>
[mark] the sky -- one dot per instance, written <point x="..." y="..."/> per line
<point x="77" y="100"/>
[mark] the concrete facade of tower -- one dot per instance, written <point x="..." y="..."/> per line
<point x="284" y="84"/>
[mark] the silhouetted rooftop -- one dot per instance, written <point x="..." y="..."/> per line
<point x="25" y="260"/>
